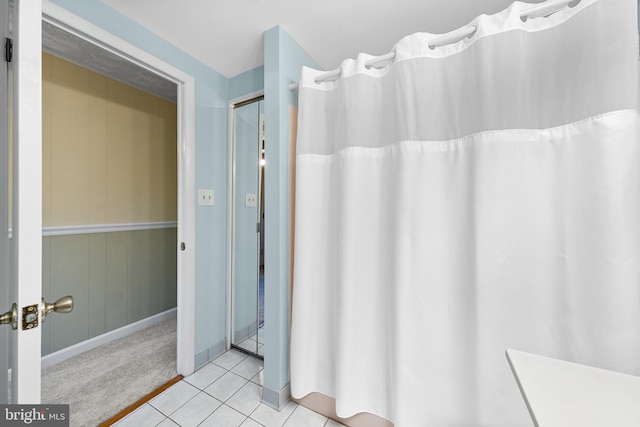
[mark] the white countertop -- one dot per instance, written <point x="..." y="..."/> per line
<point x="565" y="394"/>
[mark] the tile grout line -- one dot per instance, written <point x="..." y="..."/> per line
<point x="224" y="403"/>
<point x="202" y="390"/>
<point x="291" y="414"/>
<point x="193" y="397"/>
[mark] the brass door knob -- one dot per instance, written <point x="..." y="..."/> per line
<point x="63" y="305"/>
<point x="10" y="317"/>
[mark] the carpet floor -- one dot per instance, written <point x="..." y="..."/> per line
<point x="101" y="382"/>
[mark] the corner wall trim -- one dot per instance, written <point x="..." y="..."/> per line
<point x="105" y="228"/>
<point x="201" y="359"/>
<point x="217" y="349"/>
<point x="81" y="347"/>
<point x="276" y="399"/>
<point x="208" y="354"/>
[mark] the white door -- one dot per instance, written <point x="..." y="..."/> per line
<point x="21" y="202"/>
<point x="5" y="305"/>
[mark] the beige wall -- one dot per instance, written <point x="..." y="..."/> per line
<point x="109" y="150"/>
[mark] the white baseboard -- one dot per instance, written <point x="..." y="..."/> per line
<point x="76" y="349"/>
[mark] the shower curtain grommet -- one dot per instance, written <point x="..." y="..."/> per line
<point x="548" y="8"/>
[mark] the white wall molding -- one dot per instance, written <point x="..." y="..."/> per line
<point x="81" y="347"/>
<point x="105" y="228"/>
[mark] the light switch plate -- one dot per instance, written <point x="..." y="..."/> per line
<point x="251" y="200"/>
<point x="205" y="197"/>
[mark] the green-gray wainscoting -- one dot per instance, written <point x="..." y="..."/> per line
<point x="115" y="278"/>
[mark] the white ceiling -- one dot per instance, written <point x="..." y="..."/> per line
<point x="227" y="35"/>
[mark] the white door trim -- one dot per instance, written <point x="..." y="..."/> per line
<point x="60" y="17"/>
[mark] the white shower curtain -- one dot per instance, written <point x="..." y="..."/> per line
<point x="466" y="199"/>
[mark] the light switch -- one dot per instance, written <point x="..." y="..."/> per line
<point x="205" y="197"/>
<point x="251" y="200"/>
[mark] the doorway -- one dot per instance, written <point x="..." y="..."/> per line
<point x="247" y="241"/>
<point x="108" y="51"/>
<point x="109" y="203"/>
<point x="109" y="233"/>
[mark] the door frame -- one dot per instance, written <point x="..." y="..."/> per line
<point x="231" y="179"/>
<point x="65" y="20"/>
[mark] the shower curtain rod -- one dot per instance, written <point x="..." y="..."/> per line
<point x="545" y="9"/>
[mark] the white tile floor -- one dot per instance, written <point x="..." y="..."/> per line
<point x="224" y="393"/>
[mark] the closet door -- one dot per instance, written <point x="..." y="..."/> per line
<point x="247" y="224"/>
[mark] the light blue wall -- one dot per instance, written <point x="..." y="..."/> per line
<point x="283" y="63"/>
<point x="249" y="82"/>
<point x="212" y="93"/>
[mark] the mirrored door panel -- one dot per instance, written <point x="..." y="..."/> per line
<point x="247" y="283"/>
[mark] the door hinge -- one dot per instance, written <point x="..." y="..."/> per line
<point x="8" y="49"/>
<point x="257" y="227"/>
